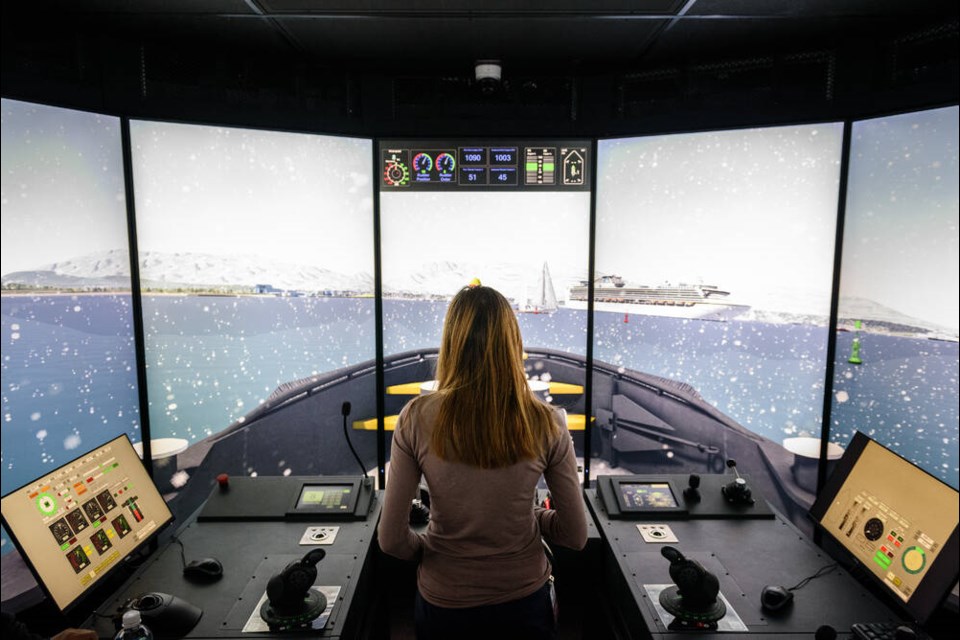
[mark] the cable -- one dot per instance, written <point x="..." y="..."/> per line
<point x="183" y="558"/>
<point x="822" y="571"/>
<point x="345" y="411"/>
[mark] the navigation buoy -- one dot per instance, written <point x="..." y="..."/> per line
<point x="626" y="318"/>
<point x="855" y="346"/>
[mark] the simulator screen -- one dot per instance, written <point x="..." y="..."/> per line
<point x="897" y="376"/>
<point x="713" y="279"/>
<point x="69" y="362"/>
<point x="513" y="214"/>
<point x="256" y="264"/>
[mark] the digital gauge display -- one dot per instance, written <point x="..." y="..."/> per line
<point x="514" y="165"/>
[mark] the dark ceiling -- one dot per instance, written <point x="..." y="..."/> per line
<point x="382" y="66"/>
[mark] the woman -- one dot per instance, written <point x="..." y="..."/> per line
<point x="482" y="442"/>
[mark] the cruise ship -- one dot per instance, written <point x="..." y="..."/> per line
<point x="703" y="301"/>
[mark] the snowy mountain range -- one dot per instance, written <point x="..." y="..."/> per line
<point x="188" y="270"/>
<point x="173" y="271"/>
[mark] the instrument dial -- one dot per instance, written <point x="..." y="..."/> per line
<point x="396" y="174"/>
<point x="446" y="163"/>
<point x="422" y="163"/>
<point x="873" y="529"/>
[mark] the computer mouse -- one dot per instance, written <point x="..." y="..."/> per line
<point x="775" y="598"/>
<point x="204" y="569"/>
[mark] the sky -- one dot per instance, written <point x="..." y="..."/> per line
<point x="519" y="230"/>
<point x="61" y="187"/>
<point x="752" y="211"/>
<point x="286" y="197"/>
<point x="901" y="245"/>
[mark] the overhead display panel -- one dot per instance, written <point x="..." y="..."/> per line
<point x="495" y="166"/>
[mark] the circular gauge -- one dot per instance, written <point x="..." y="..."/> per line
<point x="46" y="504"/>
<point x="873" y="529"/>
<point x="446" y="163"/>
<point x="396" y="174"/>
<point x="422" y="163"/>
<point x="914" y="560"/>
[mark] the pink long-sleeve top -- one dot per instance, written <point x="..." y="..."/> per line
<point x="482" y="545"/>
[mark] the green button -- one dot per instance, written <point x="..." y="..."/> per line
<point x="531" y="166"/>
<point x="548" y="166"/>
<point x="881" y="559"/>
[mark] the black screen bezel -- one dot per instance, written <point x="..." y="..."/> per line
<point x="297" y="509"/>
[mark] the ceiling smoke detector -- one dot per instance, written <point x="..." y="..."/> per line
<point x="488" y="75"/>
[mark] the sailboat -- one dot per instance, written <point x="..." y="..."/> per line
<point x="544" y="299"/>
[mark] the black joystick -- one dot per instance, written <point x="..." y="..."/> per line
<point x="291" y="603"/>
<point x="692" y="599"/>
<point x="737" y="491"/>
<point x="692" y="492"/>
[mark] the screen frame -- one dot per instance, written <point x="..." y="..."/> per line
<point x="618" y="485"/>
<point x="942" y="575"/>
<point x="296" y="509"/>
<point x="612" y="496"/>
<point x="101" y="580"/>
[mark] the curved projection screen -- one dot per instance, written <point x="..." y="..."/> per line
<point x="896" y="376"/>
<point x="714" y="256"/>
<point x="69" y="363"/>
<point x="256" y="265"/>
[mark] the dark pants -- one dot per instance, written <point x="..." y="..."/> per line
<point x="530" y="618"/>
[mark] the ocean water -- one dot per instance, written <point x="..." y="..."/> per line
<point x="69" y="379"/>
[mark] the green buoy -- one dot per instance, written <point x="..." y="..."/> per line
<point x="855" y="347"/>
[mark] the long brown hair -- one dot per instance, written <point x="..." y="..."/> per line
<point x="488" y="416"/>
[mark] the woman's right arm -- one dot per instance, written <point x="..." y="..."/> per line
<point x="396" y="537"/>
<point x="566" y="523"/>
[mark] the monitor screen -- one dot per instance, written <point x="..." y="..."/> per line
<point x="326" y="497"/>
<point x="896" y="520"/>
<point x="646" y="496"/>
<point x="77" y="523"/>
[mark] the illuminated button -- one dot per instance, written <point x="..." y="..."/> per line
<point x="884" y="549"/>
<point x="897" y="543"/>
<point x="897" y="581"/>
<point x="890" y="538"/>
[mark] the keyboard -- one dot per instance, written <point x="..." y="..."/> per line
<point x="887" y="631"/>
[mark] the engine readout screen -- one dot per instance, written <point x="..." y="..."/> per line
<point x="647" y="496"/>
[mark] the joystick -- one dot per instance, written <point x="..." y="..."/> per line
<point x="291" y="603"/>
<point x="692" y="599"/>
<point x="737" y="491"/>
<point x="692" y="492"/>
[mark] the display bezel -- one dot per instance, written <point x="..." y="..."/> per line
<point x="612" y="495"/>
<point x="348" y="507"/>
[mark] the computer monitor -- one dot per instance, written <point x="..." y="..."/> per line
<point x="897" y="521"/>
<point x="75" y="524"/>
